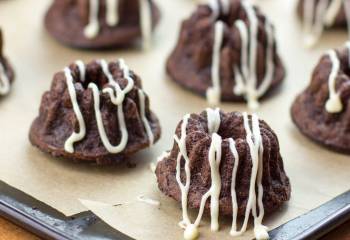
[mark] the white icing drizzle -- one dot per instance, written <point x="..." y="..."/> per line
<point x="112" y="15"/>
<point x="214" y="120"/>
<point x="75" y="137"/>
<point x="148" y="200"/>
<point x="4" y="81"/>
<point x="234" y="152"/>
<point x="124" y="132"/>
<point x="214" y="92"/>
<point x="146" y="22"/>
<point x="92" y="29"/>
<point x="333" y="104"/>
<point x="143" y="116"/>
<point x="112" y="18"/>
<point x="117" y="96"/>
<point x="246" y="80"/>
<point x="183" y="187"/>
<point x="164" y="154"/>
<point x="317" y="16"/>
<point x="254" y="140"/>
<point x="191" y="230"/>
<point x="332" y="12"/>
<point x="82" y="70"/>
<point x="215" y="7"/>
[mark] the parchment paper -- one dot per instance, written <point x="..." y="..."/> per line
<point x="316" y="174"/>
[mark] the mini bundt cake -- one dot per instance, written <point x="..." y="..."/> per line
<point x="232" y="158"/>
<point x="6" y="72"/>
<point x="227" y="51"/>
<point x="102" y="23"/>
<point x="320" y="14"/>
<point x="322" y="111"/>
<point x="96" y="112"/>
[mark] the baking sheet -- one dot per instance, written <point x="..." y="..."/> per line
<point x="316" y="174"/>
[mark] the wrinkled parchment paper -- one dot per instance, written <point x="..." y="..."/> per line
<point x="316" y="174"/>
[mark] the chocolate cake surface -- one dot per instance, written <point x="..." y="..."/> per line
<point x="321" y="111"/>
<point x="319" y="15"/>
<point x="96" y="24"/>
<point x="7" y="74"/>
<point x="227" y="51"/>
<point x="96" y="112"/>
<point x="222" y="158"/>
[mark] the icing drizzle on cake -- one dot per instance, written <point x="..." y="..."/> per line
<point x="117" y="96"/>
<point x="112" y="19"/>
<point x="334" y="103"/>
<point x="254" y="202"/>
<point x="4" y="81"/>
<point x="245" y="75"/>
<point x="317" y="16"/>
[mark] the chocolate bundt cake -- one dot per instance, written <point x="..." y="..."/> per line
<point x="320" y="14"/>
<point x="6" y="72"/>
<point x="96" y="112"/>
<point x="102" y="23"/>
<point x="322" y="112"/>
<point x="232" y="158"/>
<point x="227" y="51"/>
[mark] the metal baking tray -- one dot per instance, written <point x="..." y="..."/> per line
<point x="48" y="223"/>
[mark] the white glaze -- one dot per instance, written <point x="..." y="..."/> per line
<point x="246" y="85"/>
<point x="214" y="92"/>
<point x="104" y="138"/>
<point x="148" y="200"/>
<point x="144" y="118"/>
<point x="225" y="6"/>
<point x="239" y="87"/>
<point x="92" y="29"/>
<point x="234" y="152"/>
<point x="112" y="18"/>
<point x="246" y="78"/>
<point x="82" y="70"/>
<point x="333" y="104"/>
<point x="4" y="81"/>
<point x="117" y="96"/>
<point x="75" y="137"/>
<point x="266" y="83"/>
<point x="332" y="12"/>
<point x="164" y="154"/>
<point x="215" y="7"/>
<point x="214" y="158"/>
<point x="146" y="22"/>
<point x="112" y="13"/>
<point x="191" y="232"/>
<point x="254" y="140"/>
<point x="316" y="20"/>
<point x="183" y="187"/>
<point x="214" y="120"/>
